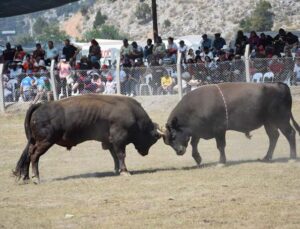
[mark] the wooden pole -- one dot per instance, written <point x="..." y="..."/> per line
<point x="154" y="19"/>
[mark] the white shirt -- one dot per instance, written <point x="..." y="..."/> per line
<point x="297" y="71"/>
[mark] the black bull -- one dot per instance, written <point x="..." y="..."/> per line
<point x="208" y="112"/>
<point x="114" y="120"/>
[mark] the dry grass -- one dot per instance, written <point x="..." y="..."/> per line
<point x="165" y="191"/>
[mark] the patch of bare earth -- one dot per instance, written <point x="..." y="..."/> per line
<point x="164" y="191"/>
<point x="73" y="26"/>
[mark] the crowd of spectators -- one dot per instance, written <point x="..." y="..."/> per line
<point x="26" y="75"/>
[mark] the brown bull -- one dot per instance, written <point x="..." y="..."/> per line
<point x="116" y="121"/>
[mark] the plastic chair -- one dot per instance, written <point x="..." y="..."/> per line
<point x="269" y="76"/>
<point x="257" y="77"/>
<point x="146" y="85"/>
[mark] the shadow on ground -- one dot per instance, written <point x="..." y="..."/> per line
<point x="146" y="171"/>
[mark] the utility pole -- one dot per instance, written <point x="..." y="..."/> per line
<point x="154" y="18"/>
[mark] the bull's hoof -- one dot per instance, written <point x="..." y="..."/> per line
<point x="220" y="165"/>
<point x="292" y="160"/>
<point x="125" y="173"/>
<point x="35" y="180"/>
<point x="265" y="159"/>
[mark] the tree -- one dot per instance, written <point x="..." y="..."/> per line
<point x="39" y="25"/>
<point x="52" y="32"/>
<point x="105" y="32"/>
<point x="99" y="20"/>
<point x="261" y="18"/>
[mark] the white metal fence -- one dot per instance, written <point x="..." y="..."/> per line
<point x="144" y="81"/>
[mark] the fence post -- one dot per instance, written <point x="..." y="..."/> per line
<point x="118" y="74"/>
<point x="52" y="80"/>
<point x="247" y="63"/>
<point x="2" y="105"/>
<point x="179" y="82"/>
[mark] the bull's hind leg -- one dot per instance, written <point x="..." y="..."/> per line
<point x="195" y="153"/>
<point x="40" y="149"/>
<point x="221" y="143"/>
<point x="116" y="160"/>
<point x="289" y="132"/>
<point x="273" y="135"/>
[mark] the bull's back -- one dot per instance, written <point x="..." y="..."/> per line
<point x="81" y="118"/>
<point x="248" y="106"/>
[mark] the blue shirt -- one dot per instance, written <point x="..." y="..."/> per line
<point x="26" y="83"/>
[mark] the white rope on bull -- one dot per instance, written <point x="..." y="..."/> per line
<point x="225" y="104"/>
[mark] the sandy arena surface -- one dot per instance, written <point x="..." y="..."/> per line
<point x="79" y="189"/>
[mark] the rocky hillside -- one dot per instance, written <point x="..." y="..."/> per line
<point x="175" y="18"/>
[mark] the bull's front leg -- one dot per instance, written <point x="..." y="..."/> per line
<point x="195" y="153"/>
<point x="121" y="154"/>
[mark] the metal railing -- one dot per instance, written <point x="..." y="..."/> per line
<point x="145" y="81"/>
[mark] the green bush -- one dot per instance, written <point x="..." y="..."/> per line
<point x="105" y="32"/>
<point x="167" y="23"/>
<point x="261" y="18"/>
<point x="99" y="20"/>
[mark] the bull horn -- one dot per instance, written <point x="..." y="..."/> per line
<point x="161" y="131"/>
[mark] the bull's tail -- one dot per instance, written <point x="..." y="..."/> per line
<point x="23" y="163"/>
<point x="295" y="124"/>
<point x="31" y="109"/>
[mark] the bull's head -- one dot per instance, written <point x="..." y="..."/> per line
<point x="176" y="136"/>
<point x="146" y="138"/>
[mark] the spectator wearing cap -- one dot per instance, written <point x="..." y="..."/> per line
<point x="218" y="43"/>
<point x="240" y="43"/>
<point x="148" y="50"/>
<point x="70" y="52"/>
<point x="94" y="51"/>
<point x="206" y="42"/>
<point x="51" y="53"/>
<point x="172" y="50"/>
<point x="39" y="52"/>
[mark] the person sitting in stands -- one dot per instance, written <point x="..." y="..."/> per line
<point x="159" y="51"/>
<point x="51" y="53"/>
<point x="172" y="50"/>
<point x="39" y="52"/>
<point x="110" y="86"/>
<point x="148" y="50"/>
<point x="26" y="87"/>
<point x="136" y="52"/>
<point x="166" y="85"/>
<point x="19" y="54"/>
<point x="94" y="51"/>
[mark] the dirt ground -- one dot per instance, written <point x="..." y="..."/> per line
<point x="79" y="189"/>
